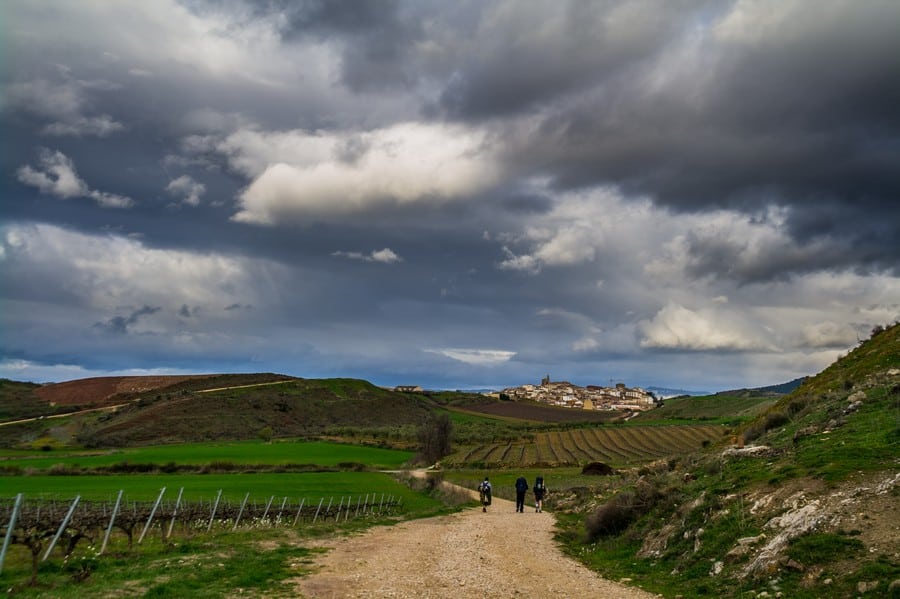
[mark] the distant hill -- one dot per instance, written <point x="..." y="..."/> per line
<point x="665" y="392"/>
<point x="286" y="408"/>
<point x="771" y="390"/>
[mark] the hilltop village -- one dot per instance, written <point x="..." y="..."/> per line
<point x="591" y="397"/>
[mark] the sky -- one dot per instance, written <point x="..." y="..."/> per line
<point x="476" y="194"/>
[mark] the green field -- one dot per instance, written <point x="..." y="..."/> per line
<point x="238" y="452"/>
<point x="309" y="485"/>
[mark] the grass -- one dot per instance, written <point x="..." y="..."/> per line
<point x="312" y="486"/>
<point x="252" y="561"/>
<point x="823" y="548"/>
<point x="239" y="452"/>
<point x="715" y="408"/>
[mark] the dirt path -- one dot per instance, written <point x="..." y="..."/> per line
<point x="500" y="553"/>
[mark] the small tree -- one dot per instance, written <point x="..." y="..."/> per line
<point x="265" y="434"/>
<point x="435" y="438"/>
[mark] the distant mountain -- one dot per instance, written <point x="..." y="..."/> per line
<point x="664" y="392"/>
<point x="782" y="389"/>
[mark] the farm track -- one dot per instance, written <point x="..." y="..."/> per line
<point x="499" y="553"/>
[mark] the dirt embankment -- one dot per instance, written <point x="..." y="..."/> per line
<point x="500" y="553"/>
<point x="99" y="391"/>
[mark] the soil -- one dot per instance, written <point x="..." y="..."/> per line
<point x="500" y="553"/>
<point x="98" y="391"/>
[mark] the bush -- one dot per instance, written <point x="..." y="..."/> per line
<point x="775" y="419"/>
<point x="623" y="509"/>
<point x="612" y="517"/>
<point x="753" y="432"/>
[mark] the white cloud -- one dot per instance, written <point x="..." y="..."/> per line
<point x="826" y="335"/>
<point x="25" y="370"/>
<point x="297" y="174"/>
<point x="100" y="126"/>
<point x="111" y="273"/>
<point x="385" y="256"/>
<point x="568" y="245"/>
<point x="586" y="344"/>
<point x="187" y="189"/>
<point x="707" y="329"/>
<point x="476" y="357"/>
<point x="59" y="178"/>
<point x="64" y="103"/>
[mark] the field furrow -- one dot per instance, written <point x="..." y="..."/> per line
<point x="614" y="438"/>
<point x="601" y="452"/>
<point x="672" y="438"/>
<point x="637" y="437"/>
<point x="628" y="442"/>
<point x="603" y="439"/>
<point x="575" y="445"/>
<point x="547" y="449"/>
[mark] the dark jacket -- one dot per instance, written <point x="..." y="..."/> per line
<point x="521" y="484"/>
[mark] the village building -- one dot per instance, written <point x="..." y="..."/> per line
<point x="592" y="397"/>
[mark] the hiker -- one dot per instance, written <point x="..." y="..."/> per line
<point x="521" y="489"/>
<point x="484" y="489"/>
<point x="539" y="491"/>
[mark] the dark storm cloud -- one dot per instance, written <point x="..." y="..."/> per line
<point x="119" y="324"/>
<point x="805" y="118"/>
<point x="771" y="146"/>
<point x="376" y="39"/>
<point x="526" y="55"/>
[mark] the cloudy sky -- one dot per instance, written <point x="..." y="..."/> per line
<point x="689" y="194"/>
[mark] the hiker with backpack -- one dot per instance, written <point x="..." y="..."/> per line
<point x="521" y="489"/>
<point x="484" y="491"/>
<point x="539" y="491"/>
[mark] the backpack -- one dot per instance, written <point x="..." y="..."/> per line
<point x="539" y="483"/>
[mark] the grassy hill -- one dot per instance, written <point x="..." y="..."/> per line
<point x="803" y="502"/>
<point x="291" y="408"/>
<point x="20" y="400"/>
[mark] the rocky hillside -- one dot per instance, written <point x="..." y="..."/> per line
<point x="804" y="501"/>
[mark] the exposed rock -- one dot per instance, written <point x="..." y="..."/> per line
<point x="856" y="396"/>
<point x="804" y="432"/>
<point x="865" y="587"/>
<point x="743" y="548"/>
<point x="749" y="451"/>
<point x="853" y="407"/>
<point x="717" y="568"/>
<point x="790" y="524"/>
<point x="791" y="564"/>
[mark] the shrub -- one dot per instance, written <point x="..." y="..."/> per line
<point x="775" y="419"/>
<point x="612" y="517"/>
<point x="753" y="432"/>
<point x="623" y="509"/>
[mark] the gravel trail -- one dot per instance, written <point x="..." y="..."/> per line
<point x="500" y="553"/>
